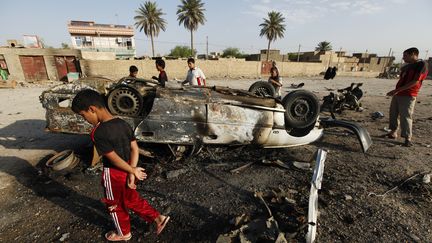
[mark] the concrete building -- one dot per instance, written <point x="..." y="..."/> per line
<point x="274" y="55"/>
<point x="89" y="36"/>
<point x="38" y="64"/>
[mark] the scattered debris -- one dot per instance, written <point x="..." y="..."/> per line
<point x="348" y="98"/>
<point x="297" y="86"/>
<point x="276" y="162"/>
<point x="377" y="115"/>
<point x="237" y="170"/>
<point x="302" y="165"/>
<point x="313" y="198"/>
<point x="175" y="173"/>
<point x="427" y="178"/>
<point x="64" y="237"/>
<point x="63" y="160"/>
<point x="396" y="187"/>
<point x="348" y="197"/>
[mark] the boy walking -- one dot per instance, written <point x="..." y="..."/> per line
<point x="114" y="139"/>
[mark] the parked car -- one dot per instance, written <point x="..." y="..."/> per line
<point x="191" y="115"/>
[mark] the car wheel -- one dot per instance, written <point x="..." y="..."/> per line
<point x="301" y="109"/>
<point x="125" y="101"/>
<point x="263" y="89"/>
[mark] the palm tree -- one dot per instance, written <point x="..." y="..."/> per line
<point x="273" y="28"/>
<point x="150" y="20"/>
<point x="323" y="46"/>
<point x="191" y="13"/>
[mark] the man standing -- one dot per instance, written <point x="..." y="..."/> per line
<point x="405" y="94"/>
<point x="194" y="76"/>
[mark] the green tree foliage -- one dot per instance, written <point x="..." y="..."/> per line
<point x="272" y="28"/>
<point x="181" y="51"/>
<point x="65" y="45"/>
<point x="190" y="13"/>
<point x="323" y="46"/>
<point x="149" y="19"/>
<point x="232" y="52"/>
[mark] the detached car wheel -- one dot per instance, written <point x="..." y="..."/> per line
<point x="263" y="89"/>
<point x="301" y="109"/>
<point x="125" y="101"/>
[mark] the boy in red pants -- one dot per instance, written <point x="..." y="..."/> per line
<point x="114" y="139"/>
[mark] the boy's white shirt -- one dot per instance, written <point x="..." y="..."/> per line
<point x="194" y="74"/>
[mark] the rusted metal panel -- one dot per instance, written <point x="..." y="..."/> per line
<point x="34" y="68"/>
<point x="65" y="65"/>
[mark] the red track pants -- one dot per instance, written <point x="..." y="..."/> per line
<point x="119" y="198"/>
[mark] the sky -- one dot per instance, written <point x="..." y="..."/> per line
<point x="353" y="25"/>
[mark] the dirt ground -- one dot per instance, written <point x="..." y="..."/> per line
<point x="202" y="196"/>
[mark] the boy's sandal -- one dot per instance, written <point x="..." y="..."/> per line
<point x="113" y="236"/>
<point x="160" y="227"/>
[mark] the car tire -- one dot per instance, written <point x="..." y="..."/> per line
<point x="125" y="100"/>
<point x="63" y="160"/>
<point x="262" y="89"/>
<point x="301" y="109"/>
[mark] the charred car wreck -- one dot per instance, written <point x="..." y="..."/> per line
<point x="196" y="115"/>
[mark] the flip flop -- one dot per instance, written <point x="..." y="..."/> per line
<point x="113" y="236"/>
<point x="162" y="225"/>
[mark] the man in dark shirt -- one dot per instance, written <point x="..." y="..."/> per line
<point x="160" y="66"/>
<point x="405" y="94"/>
<point x="115" y="140"/>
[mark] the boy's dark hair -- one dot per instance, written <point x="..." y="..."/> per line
<point x="133" y="69"/>
<point x="411" y="51"/>
<point x="191" y="60"/>
<point x="85" y="98"/>
<point x="160" y="63"/>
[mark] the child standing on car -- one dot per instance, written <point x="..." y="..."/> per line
<point x="274" y="79"/>
<point x="114" y="139"/>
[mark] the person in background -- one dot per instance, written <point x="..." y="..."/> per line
<point x="275" y="80"/>
<point x="405" y="94"/>
<point x="195" y="75"/>
<point x="133" y="71"/>
<point x="160" y="66"/>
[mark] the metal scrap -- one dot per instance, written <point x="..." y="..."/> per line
<point x="313" y="198"/>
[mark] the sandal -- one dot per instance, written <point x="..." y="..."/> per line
<point x="390" y="136"/>
<point x="113" y="236"/>
<point x="162" y="225"/>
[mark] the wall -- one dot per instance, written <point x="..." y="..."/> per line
<point x="223" y="68"/>
<point x="11" y="56"/>
<point x="93" y="55"/>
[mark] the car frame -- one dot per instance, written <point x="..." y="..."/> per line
<point x="198" y="115"/>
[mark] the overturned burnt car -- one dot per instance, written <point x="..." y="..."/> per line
<point x="197" y="115"/>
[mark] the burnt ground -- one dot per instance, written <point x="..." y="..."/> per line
<point x="38" y="205"/>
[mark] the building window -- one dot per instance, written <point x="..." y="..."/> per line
<point x="78" y="41"/>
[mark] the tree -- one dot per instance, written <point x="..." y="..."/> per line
<point x="65" y="45"/>
<point x="232" y="52"/>
<point x="273" y="28"/>
<point x="323" y="46"/>
<point x="191" y="14"/>
<point x="149" y="20"/>
<point x="181" y="51"/>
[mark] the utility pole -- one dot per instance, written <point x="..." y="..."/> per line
<point x="426" y="56"/>
<point x="117" y="18"/>
<point x="364" y="60"/>
<point x="339" y="55"/>
<point x="207" y="47"/>
<point x="298" y="53"/>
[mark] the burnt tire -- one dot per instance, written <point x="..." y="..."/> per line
<point x="262" y="89"/>
<point x="125" y="101"/>
<point x="301" y="109"/>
